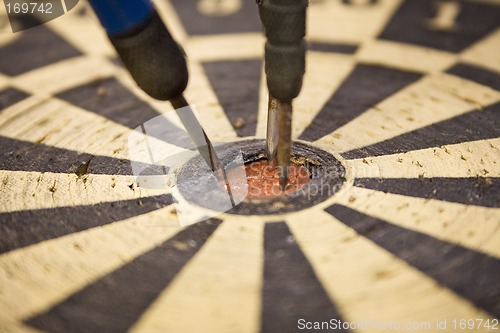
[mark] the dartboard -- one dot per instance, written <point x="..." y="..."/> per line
<point x="402" y="96"/>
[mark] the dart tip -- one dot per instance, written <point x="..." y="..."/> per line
<point x="283" y="183"/>
<point x="283" y="172"/>
<point x="279" y="125"/>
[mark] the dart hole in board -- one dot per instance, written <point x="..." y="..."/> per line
<point x="262" y="179"/>
<point x="326" y="175"/>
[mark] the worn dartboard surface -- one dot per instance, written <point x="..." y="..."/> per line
<point x="405" y="93"/>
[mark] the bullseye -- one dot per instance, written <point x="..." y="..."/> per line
<point x="263" y="179"/>
<point x="315" y="176"/>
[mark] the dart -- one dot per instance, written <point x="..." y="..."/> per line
<point x="285" y="52"/>
<point x="156" y="62"/>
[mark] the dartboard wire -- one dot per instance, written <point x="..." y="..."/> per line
<point x="341" y="258"/>
<point x="474" y="227"/>
<point x="432" y="99"/>
<point x="86" y="256"/>
<point x="467" y="159"/>
<point x="223" y="279"/>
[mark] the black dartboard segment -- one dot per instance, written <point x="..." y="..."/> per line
<point x="218" y="17"/>
<point x="330" y="47"/>
<point x="472" y="273"/>
<point x="11" y="96"/>
<point x="95" y="307"/>
<point x="472" y="191"/>
<point x="112" y="100"/>
<point x="20" y="155"/>
<point x="416" y="22"/>
<point x="285" y="285"/>
<point x="474" y="125"/>
<point x="236" y="84"/>
<point x="365" y="87"/>
<point x="477" y="74"/>
<point x="406" y="228"/>
<point x="34" y="49"/>
<point x="33" y="226"/>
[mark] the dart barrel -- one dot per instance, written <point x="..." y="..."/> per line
<point x="397" y="124"/>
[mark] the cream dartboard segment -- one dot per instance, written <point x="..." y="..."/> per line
<point x="401" y="96"/>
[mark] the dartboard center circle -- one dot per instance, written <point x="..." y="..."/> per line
<point x="326" y="172"/>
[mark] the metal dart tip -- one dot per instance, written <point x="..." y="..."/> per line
<point x="201" y="140"/>
<point x="281" y="138"/>
<point x="272" y="132"/>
